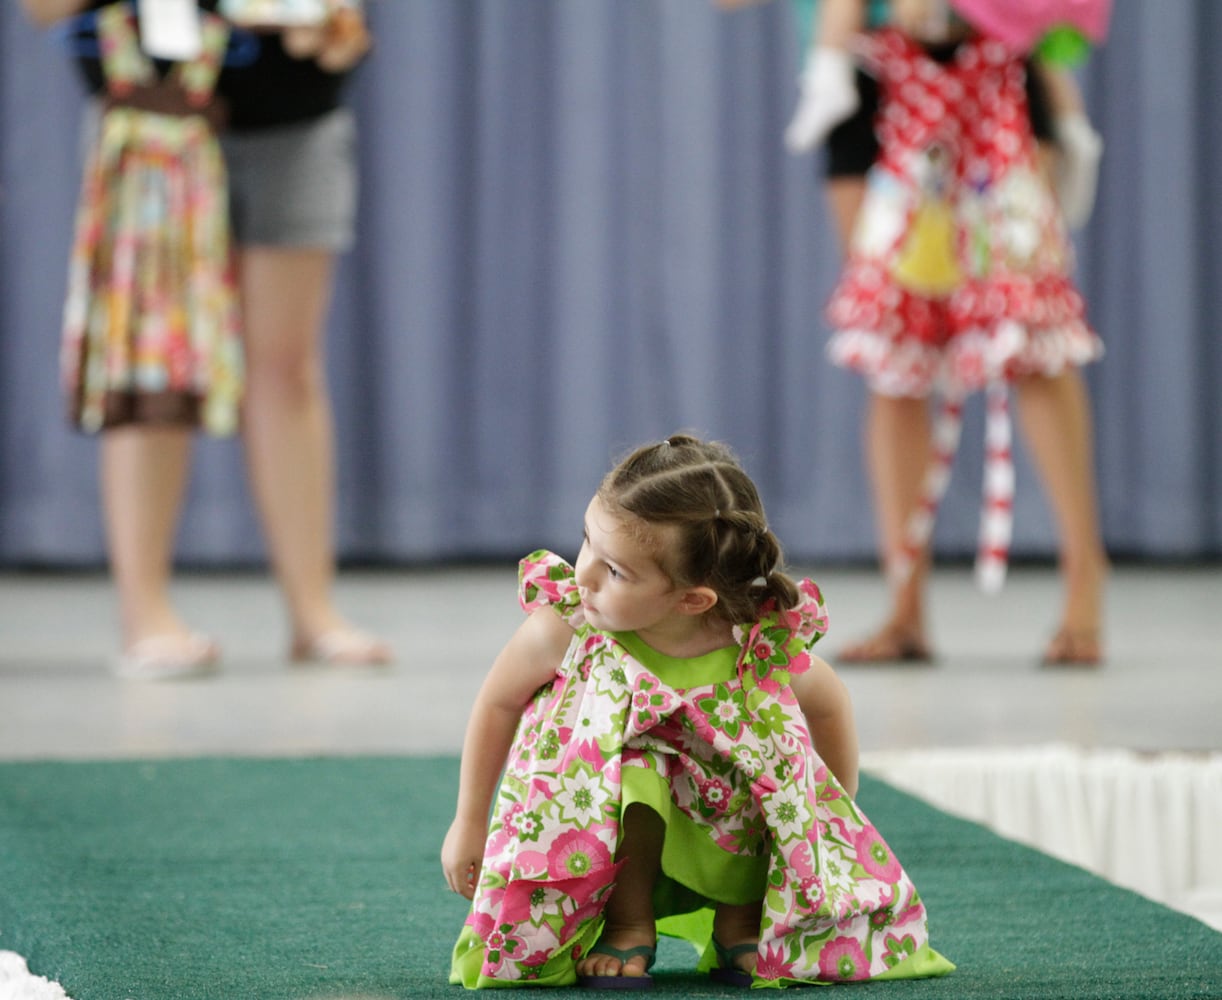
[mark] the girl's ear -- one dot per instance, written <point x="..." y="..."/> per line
<point x="697" y="600"/>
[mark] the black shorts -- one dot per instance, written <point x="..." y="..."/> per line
<point x="852" y="146"/>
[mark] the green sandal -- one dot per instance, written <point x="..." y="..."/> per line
<point x="728" y="970"/>
<point x="621" y="982"/>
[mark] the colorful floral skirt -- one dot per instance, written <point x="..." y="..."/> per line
<point x="151" y="320"/>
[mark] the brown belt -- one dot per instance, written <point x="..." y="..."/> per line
<point x="167" y="97"/>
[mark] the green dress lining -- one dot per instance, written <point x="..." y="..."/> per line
<point x="696" y="873"/>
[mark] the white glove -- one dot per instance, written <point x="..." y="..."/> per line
<point x="1076" y="173"/>
<point x="827" y="96"/>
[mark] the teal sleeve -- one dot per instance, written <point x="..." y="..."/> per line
<point x="804" y="14"/>
<point x="807" y="11"/>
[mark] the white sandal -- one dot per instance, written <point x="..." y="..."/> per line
<point x="168" y="657"/>
<point x="344" y="646"/>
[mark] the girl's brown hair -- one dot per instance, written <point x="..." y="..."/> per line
<point x="722" y="539"/>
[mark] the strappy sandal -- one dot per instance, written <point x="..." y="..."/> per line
<point x="1073" y="648"/>
<point x="620" y="981"/>
<point x="888" y="645"/>
<point x="728" y="972"/>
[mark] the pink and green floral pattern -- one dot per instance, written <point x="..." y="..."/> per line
<point x="739" y="762"/>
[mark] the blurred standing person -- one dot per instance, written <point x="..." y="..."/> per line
<point x="839" y="104"/>
<point x="288" y="185"/>
<point x="959" y="278"/>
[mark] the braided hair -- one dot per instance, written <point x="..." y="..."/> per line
<point x="722" y="539"/>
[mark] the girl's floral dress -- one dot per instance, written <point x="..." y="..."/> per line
<point x="958" y="269"/>
<point x="151" y="327"/>
<point x="751" y="811"/>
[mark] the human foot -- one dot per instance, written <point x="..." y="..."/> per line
<point x="890" y="644"/>
<point x="1074" y="648"/>
<point x="168" y="656"/>
<point x="609" y="967"/>
<point x="1077" y="641"/>
<point x="341" y="646"/>
<point x="735" y="964"/>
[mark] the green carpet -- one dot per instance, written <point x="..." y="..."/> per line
<point x="303" y="879"/>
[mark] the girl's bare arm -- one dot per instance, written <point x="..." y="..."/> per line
<point x="528" y="661"/>
<point x="825" y="702"/>
<point x="839" y="21"/>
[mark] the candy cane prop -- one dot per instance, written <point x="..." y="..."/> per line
<point x="943" y="445"/>
<point x="997" y="512"/>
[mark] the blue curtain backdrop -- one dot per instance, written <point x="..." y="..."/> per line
<point x="579" y="231"/>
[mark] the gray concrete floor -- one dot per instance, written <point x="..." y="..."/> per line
<point x="1161" y="688"/>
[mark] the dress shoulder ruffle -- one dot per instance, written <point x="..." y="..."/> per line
<point x="547" y="580"/>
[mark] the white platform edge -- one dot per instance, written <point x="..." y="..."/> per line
<point x="1147" y="822"/>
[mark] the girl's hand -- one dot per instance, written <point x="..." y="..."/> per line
<point x="462" y="854"/>
<point x="347" y="40"/>
<point x="338" y="44"/>
<point x="528" y="661"/>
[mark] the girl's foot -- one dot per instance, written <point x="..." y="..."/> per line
<point x="341" y="646"/>
<point x="1077" y="640"/>
<point x="168" y="656"/>
<point x="1074" y="648"/>
<point x="735" y="963"/>
<point x="621" y="954"/>
<point x="736" y="931"/>
<point x="892" y="643"/>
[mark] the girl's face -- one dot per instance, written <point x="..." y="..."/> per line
<point x="623" y="589"/>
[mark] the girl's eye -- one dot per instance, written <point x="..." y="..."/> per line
<point x="615" y="573"/>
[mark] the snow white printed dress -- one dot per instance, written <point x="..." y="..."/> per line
<point x="718" y="746"/>
<point x="958" y="272"/>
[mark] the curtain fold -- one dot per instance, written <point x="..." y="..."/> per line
<point x="579" y="230"/>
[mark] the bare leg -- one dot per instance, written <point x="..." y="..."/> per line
<point x="143" y="477"/>
<point x="844" y="197"/>
<point x="898" y="453"/>
<point x="1055" y="417"/>
<point x="738" y="924"/>
<point x="629" y="920"/>
<point x="288" y="437"/>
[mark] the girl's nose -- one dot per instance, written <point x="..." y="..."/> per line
<point x="581" y="574"/>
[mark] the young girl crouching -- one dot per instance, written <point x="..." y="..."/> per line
<point x="671" y="758"/>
